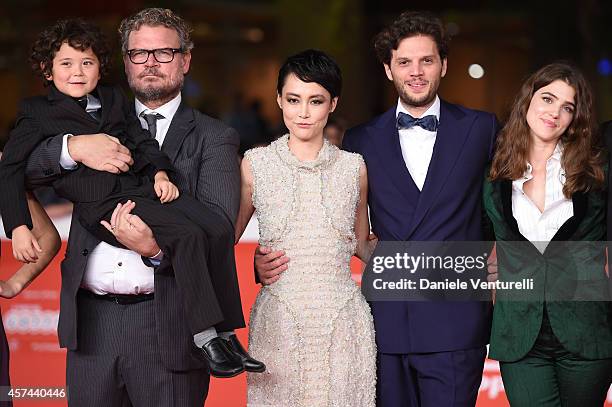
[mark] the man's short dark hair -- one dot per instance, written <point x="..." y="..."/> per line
<point x="79" y="34"/>
<point x="312" y="66"/>
<point x="410" y="24"/>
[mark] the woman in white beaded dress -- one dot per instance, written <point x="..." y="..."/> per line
<point x="312" y="328"/>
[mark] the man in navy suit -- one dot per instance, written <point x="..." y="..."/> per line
<point x="426" y="160"/>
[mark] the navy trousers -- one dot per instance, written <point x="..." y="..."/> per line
<point x="449" y="379"/>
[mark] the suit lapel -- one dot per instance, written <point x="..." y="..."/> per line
<point x="388" y="146"/>
<point x="506" y="197"/>
<point x="106" y="100"/>
<point x="565" y="232"/>
<point x="182" y="124"/>
<point x="67" y="103"/>
<point x="451" y="136"/>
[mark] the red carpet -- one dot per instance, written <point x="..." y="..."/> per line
<point x="36" y="360"/>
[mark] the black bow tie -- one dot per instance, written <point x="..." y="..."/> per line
<point x="405" y="121"/>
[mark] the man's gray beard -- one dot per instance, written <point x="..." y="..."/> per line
<point x="154" y="94"/>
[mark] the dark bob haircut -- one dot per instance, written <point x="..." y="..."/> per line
<point x="410" y="24"/>
<point x="312" y="66"/>
<point x="79" y="34"/>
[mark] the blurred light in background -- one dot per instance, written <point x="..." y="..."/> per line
<point x="253" y="34"/>
<point x="604" y="67"/>
<point x="476" y="71"/>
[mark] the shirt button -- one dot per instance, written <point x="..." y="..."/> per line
<point x="85" y="252"/>
<point x="120" y="264"/>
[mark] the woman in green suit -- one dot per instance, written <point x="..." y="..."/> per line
<point x="543" y="191"/>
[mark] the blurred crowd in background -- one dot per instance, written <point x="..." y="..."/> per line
<point x="239" y="45"/>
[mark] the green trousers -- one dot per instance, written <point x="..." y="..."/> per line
<point x="550" y="376"/>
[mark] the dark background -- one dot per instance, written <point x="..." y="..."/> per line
<point x="239" y="46"/>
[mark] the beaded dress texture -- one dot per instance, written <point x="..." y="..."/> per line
<point x="312" y="328"/>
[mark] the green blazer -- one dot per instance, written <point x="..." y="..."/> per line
<point x="571" y="267"/>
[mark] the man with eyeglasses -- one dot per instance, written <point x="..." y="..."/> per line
<point x="142" y="353"/>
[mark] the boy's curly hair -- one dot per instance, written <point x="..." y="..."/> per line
<point x="79" y="34"/>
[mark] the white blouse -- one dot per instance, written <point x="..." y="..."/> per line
<point x="540" y="227"/>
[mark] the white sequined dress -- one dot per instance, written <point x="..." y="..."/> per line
<point x="312" y="328"/>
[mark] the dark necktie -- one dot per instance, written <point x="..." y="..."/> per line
<point x="151" y="120"/>
<point x="405" y="121"/>
<point x="82" y="101"/>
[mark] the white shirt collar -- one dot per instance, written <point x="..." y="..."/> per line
<point x="93" y="103"/>
<point x="434" y="109"/>
<point x="528" y="174"/>
<point x="167" y="110"/>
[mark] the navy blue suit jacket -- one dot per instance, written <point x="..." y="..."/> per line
<point x="449" y="208"/>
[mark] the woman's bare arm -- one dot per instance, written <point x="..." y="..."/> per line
<point x="366" y="242"/>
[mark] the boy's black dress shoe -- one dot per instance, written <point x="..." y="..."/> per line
<point x="223" y="362"/>
<point x="250" y="364"/>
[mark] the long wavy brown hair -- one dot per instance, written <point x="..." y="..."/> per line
<point x="582" y="157"/>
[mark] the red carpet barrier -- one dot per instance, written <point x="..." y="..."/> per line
<point x="30" y="321"/>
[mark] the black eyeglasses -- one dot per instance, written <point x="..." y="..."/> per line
<point x="161" y="55"/>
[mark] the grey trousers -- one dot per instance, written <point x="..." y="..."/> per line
<point x="117" y="362"/>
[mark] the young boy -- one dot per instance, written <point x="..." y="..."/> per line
<point x="72" y="56"/>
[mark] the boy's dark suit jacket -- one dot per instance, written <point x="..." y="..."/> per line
<point x="42" y="117"/>
<point x="204" y="154"/>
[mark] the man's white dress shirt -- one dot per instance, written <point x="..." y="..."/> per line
<point x="417" y="144"/>
<point x="111" y="270"/>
